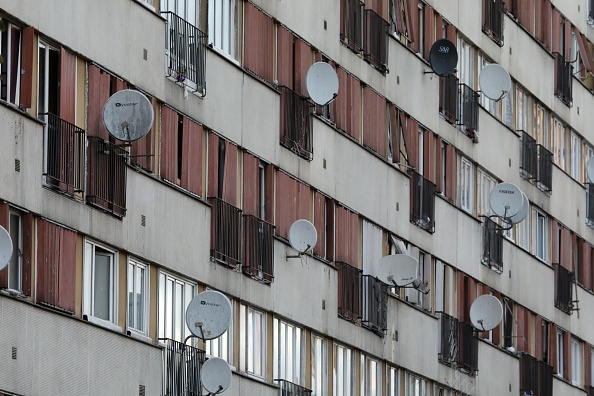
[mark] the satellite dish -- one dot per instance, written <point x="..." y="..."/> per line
<point x="216" y="375"/>
<point x="322" y="83"/>
<point x="302" y="235"/>
<point x="443" y="57"/>
<point x="590" y="169"/>
<point x="5" y="248"/>
<point x="486" y="312"/>
<point x="209" y="314"/>
<point x="495" y="82"/>
<point x="398" y="269"/>
<point x="128" y="115"/>
<point x="523" y="212"/>
<point x="505" y="200"/>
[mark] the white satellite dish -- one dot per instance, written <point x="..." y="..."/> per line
<point x="302" y="235"/>
<point x="590" y="169"/>
<point x="495" y="82"/>
<point x="209" y="314"/>
<point x="398" y="269"/>
<point x="523" y="212"/>
<point x="216" y="375"/>
<point x="505" y="200"/>
<point x="128" y="115"/>
<point x="5" y="248"/>
<point x="486" y="312"/>
<point x="322" y="83"/>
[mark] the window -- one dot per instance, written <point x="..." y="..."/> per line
<point x="15" y="265"/>
<point x="540" y="247"/>
<point x="576" y="151"/>
<point x="588" y="152"/>
<point x="541" y="126"/>
<point x="560" y="144"/>
<point x="222" y="347"/>
<point x="415" y="386"/>
<point x="485" y="184"/>
<point x="185" y="9"/>
<point x="466" y="63"/>
<point x="560" y="353"/>
<point x="11" y="44"/>
<point x="319" y="365"/>
<point x="138" y="296"/>
<point x="523" y="111"/>
<point x="371" y="376"/>
<point x="393" y="381"/>
<point x="289" y="352"/>
<point x="421" y="27"/>
<point x="252" y="341"/>
<point x="444" y="288"/>
<point x="522" y="233"/>
<point x="48" y="80"/>
<point x="100" y="284"/>
<point x="576" y="362"/>
<point x="417" y="295"/>
<point x="175" y="295"/>
<point x="591" y="21"/>
<point x="344" y="371"/>
<point x="222" y="26"/>
<point x="466" y="184"/>
<point x="507" y="109"/>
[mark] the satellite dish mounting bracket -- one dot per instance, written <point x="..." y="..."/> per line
<point x="288" y="256"/>
<point x="497" y="226"/>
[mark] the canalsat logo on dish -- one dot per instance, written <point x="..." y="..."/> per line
<point x="118" y="104"/>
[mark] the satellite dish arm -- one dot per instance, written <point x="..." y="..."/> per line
<point x="217" y="392"/>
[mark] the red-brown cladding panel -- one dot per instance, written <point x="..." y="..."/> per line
<point x="250" y="185"/>
<point x="28" y="49"/>
<point x="191" y="177"/>
<point x="169" y="132"/>
<point x="285" y="57"/>
<point x="67" y="85"/>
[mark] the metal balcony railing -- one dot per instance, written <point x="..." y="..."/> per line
<point x="492" y="246"/>
<point x="349" y="291"/>
<point x="589" y="389"/>
<point x="375" y="304"/>
<point x="536" y="377"/>
<point x="375" y="49"/>
<point x="590" y="204"/>
<point x="106" y="176"/>
<point x="529" y="156"/>
<point x="467" y="348"/>
<point x="563" y="79"/>
<point x="448" y="99"/>
<point x="286" y="388"/>
<point x="258" y="248"/>
<point x="225" y="232"/>
<point x="564" y="288"/>
<point x="65" y="155"/>
<point x="296" y="131"/>
<point x="448" y="340"/>
<point x="351" y="31"/>
<point x="422" y="198"/>
<point x="493" y="24"/>
<point x="181" y="369"/>
<point x="544" y="177"/>
<point x="468" y="110"/>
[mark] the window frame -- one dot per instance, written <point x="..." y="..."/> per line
<point x="319" y="365"/>
<point x="288" y="368"/>
<point x="222" y="346"/>
<point x="370" y="375"/>
<point x="166" y="306"/>
<point x="466" y="184"/>
<point x="132" y="266"/>
<point x="343" y="378"/>
<point x="7" y="65"/>
<point x="247" y="356"/>
<point x="540" y="242"/>
<point x="224" y="39"/>
<point x="560" y="352"/>
<point x="576" y="361"/>
<point x="16" y="261"/>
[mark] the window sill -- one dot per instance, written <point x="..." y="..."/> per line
<point x="146" y="5"/>
<point x="139" y="336"/>
<point x="103" y="323"/>
<point x="223" y="54"/>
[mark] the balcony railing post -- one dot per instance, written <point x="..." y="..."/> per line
<point x="494" y="20"/>
<point x="468" y="348"/>
<point x="374" y="304"/>
<point x="287" y="388"/>
<point x="448" y="341"/>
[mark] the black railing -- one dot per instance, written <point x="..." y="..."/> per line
<point x="258" y="248"/>
<point x="468" y="110"/>
<point x="106" y="177"/>
<point x="590" y="204"/>
<point x="448" y="340"/>
<point x="563" y="79"/>
<point x="492" y="245"/>
<point x="467" y="348"/>
<point x="493" y="24"/>
<point x="448" y="105"/>
<point x="186" y="51"/>
<point x="375" y="49"/>
<point x="545" y="379"/>
<point x="296" y="131"/>
<point x="564" y="288"/>
<point x="589" y="389"/>
<point x="65" y="156"/>
<point x="225" y="232"/>
<point x="422" y="198"/>
<point x="375" y="304"/>
<point x="349" y="291"/>
<point x="529" y="156"/>
<point x="286" y="388"/>
<point x="351" y="32"/>
<point x="544" y="178"/>
<point x="536" y="377"/>
<point x="181" y="371"/>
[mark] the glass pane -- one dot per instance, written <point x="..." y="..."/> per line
<point x="140" y="298"/>
<point x="178" y="325"/>
<point x="131" y="302"/>
<point x="101" y="286"/>
<point x="14" y="267"/>
<point x="162" y="318"/>
<point x="169" y="308"/>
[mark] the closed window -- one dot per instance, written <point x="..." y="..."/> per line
<point x="466" y="183"/>
<point x="576" y="151"/>
<point x="393" y="381"/>
<point x="522" y="233"/>
<point x="222" y="347"/>
<point x="319" y="365"/>
<point x="188" y="10"/>
<point x="560" y="144"/>
<point x="371" y="376"/>
<point x="222" y="25"/>
<point x="485" y="184"/>
<point x="344" y="371"/>
<point x="175" y="295"/>
<point x="10" y="52"/>
<point x="540" y="247"/>
<point x="252" y="341"/>
<point x="100" y="283"/>
<point x="541" y="126"/>
<point x="576" y="362"/>
<point x="289" y="352"/>
<point x="15" y="265"/>
<point x="138" y="293"/>
<point x="415" y="386"/>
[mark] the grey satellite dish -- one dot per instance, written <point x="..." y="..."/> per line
<point x="486" y="312"/>
<point x="505" y="200"/>
<point x="128" y="115"/>
<point x="216" y="375"/>
<point x="302" y="235"/>
<point x="495" y="82"/>
<point x="590" y="169"/>
<point x="398" y="269"/>
<point x="523" y="212"/>
<point x="5" y="248"/>
<point x="443" y="57"/>
<point x="322" y="83"/>
<point x="209" y="314"/>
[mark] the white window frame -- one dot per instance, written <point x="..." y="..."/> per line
<point x="319" y="365"/>
<point x="522" y="232"/>
<point x="7" y="35"/>
<point x="421" y="27"/>
<point x="188" y="10"/>
<point x="252" y="341"/>
<point x="172" y="311"/>
<point x="135" y="267"/>
<point x="371" y="376"/>
<point x="222" y="346"/>
<point x="541" y="127"/>
<point x="415" y="385"/>
<point x="466" y="184"/>
<point x="576" y="362"/>
<point x="575" y="156"/>
<point x="588" y="152"/>
<point x="15" y="265"/>
<point x="560" y="144"/>
<point x="288" y="351"/>
<point x="540" y="238"/>
<point x="223" y="26"/>
<point x="393" y="381"/>
<point x="343" y="371"/>
<point x="560" y="353"/>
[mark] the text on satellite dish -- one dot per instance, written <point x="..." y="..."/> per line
<point x="443" y="49"/>
<point x="211" y="304"/>
<point x="118" y="104"/>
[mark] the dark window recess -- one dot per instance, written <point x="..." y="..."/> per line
<point x="422" y="198"/>
<point x="225" y="233"/>
<point x="448" y="340"/>
<point x="590" y="204"/>
<point x="448" y="98"/>
<point x="536" y="377"/>
<point x="349" y="291"/>
<point x="186" y="56"/>
<point x="65" y="155"/>
<point x="375" y="304"/>
<point x="106" y="177"/>
<point x="375" y="49"/>
<point x="589" y="389"/>
<point x="468" y="111"/>
<point x="529" y="156"/>
<point x="258" y="249"/>
<point x="544" y="177"/>
<point x="563" y="78"/>
<point x="590" y="19"/>
<point x="493" y="22"/>
<point x="564" y="293"/>
<point x="296" y="131"/>
<point x="492" y="246"/>
<point x="351" y="30"/>
<point x="467" y="349"/>
<point x="182" y="367"/>
<point x="287" y="388"/>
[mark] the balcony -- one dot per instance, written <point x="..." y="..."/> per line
<point x="536" y="377"/>
<point x="375" y="305"/>
<point x="564" y="288"/>
<point x="286" y="388"/>
<point x="493" y="20"/>
<point x="349" y="292"/>
<point x="375" y="49"/>
<point x="225" y="233"/>
<point x="186" y="52"/>
<point x="529" y="156"/>
<point x="467" y="349"/>
<point x="351" y="32"/>
<point x="448" y="99"/>
<point x="181" y="369"/>
<point x="563" y="79"/>
<point x="544" y="177"/>
<point x="65" y="155"/>
<point x="589" y="390"/>
<point x="296" y="131"/>
<point x="258" y="249"/>
<point x="590" y="204"/>
<point x="468" y="111"/>
<point x="448" y="341"/>
<point x="106" y="176"/>
<point x="422" y="198"/>
<point x="492" y="246"/>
